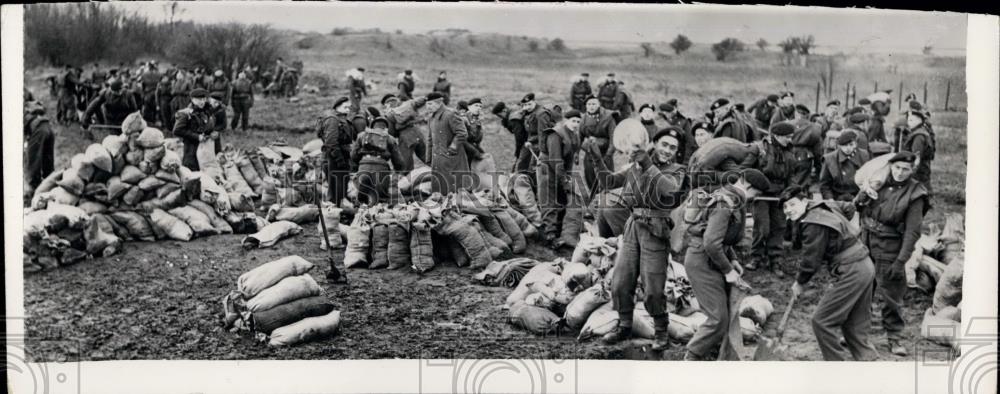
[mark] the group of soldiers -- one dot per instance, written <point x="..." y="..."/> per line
<point x="794" y="174"/>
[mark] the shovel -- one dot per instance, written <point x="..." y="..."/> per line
<point x="771" y="350"/>
<point x="334" y="276"/>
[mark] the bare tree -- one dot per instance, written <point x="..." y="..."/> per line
<point x="762" y="44"/>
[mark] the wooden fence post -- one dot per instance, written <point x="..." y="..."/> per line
<point x="847" y="96"/>
<point x="817" y="97"/>
<point x="900" y="96"/>
<point x="947" y="93"/>
<point x="925" y="94"/>
<point x="876" y="87"/>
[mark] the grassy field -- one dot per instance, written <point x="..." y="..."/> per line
<point x="154" y="310"/>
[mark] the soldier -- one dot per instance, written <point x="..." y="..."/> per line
<point x="555" y="185"/>
<point x="859" y="123"/>
<point x="279" y="70"/>
<point x="836" y="178"/>
<point x="372" y="153"/>
<point x="40" y="142"/>
<point x="919" y="139"/>
<point x="763" y="110"/>
<point x="337" y="134"/>
<point x="830" y="236"/>
<point x="116" y="104"/>
<point x="242" y="99"/>
<point x="623" y="104"/>
<point x="670" y="112"/>
<point x="598" y="124"/>
<point x="716" y="224"/>
<point x="807" y="146"/>
<point x="194" y="125"/>
<point x="607" y="90"/>
<point x="163" y="97"/>
<point x="513" y="122"/>
<point x="651" y="194"/>
<point x="357" y="89"/>
<point x="98" y="76"/>
<point x="406" y="85"/>
<point x="217" y="110"/>
<point x="876" y="126"/>
<point x="148" y="82"/>
<point x="537" y="118"/>
<point x="775" y="159"/>
<point x="831" y="117"/>
<point x="727" y="123"/>
<point x="67" y="95"/>
<point x="443" y="86"/>
<point x="786" y="111"/>
<point x="579" y="92"/>
<point x="448" y="161"/>
<point x="403" y="121"/>
<point x="290" y="81"/>
<point x="475" y="126"/>
<point x="181" y="91"/>
<point x="647" y="116"/>
<point x="219" y="84"/>
<point x="891" y="219"/>
<point x="702" y="134"/>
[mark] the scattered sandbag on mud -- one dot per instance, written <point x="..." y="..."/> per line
<point x="199" y="222"/>
<point x="305" y="330"/>
<point x="286" y="290"/>
<point x="285" y="314"/>
<point x="539" y="321"/>
<point x="138" y="227"/>
<point x="299" y="215"/>
<point x="271" y="234"/>
<point x="544" y="272"/>
<point x="756" y="308"/>
<point x="586" y="303"/>
<point x="266" y="275"/>
<point x="170" y="225"/>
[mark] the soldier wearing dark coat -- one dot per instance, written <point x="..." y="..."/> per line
<point x="242" y="99"/>
<point x="39" y="154"/>
<point x="218" y="111"/>
<point x="163" y="97"/>
<point x="555" y="185"/>
<point x="607" y="90"/>
<point x="148" y="83"/>
<point x="373" y="152"/>
<point x="774" y="158"/>
<point x="727" y="122"/>
<point x="67" y="94"/>
<point x="449" y="163"/>
<point x="807" y="146"/>
<point x="537" y="118"/>
<point x="763" y="110"/>
<point x="220" y="85"/>
<point x="513" y="122"/>
<point x="337" y="134"/>
<point x="598" y="123"/>
<point x="891" y="220"/>
<point x="357" y="89"/>
<point x="836" y="178"/>
<point x="115" y="102"/>
<point x="406" y="86"/>
<point x="194" y="125"/>
<point x="403" y="120"/>
<point x="672" y="115"/>
<point x="919" y="139"/>
<point x="786" y="111"/>
<point x="830" y="237"/>
<point x="443" y="86"/>
<point x="579" y="92"/>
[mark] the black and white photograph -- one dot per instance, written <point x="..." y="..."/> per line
<point x="502" y="193"/>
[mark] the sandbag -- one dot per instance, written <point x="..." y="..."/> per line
<point x="398" y="248"/>
<point x="331" y="216"/>
<point x="133" y="196"/>
<point x="250" y="174"/>
<point x="380" y="245"/>
<point x="220" y="224"/>
<point x="493" y="226"/>
<point x="138" y="227"/>
<point x="523" y="199"/>
<point x="749" y="330"/>
<point x="601" y="321"/>
<point x="92" y="207"/>
<point x="208" y="163"/>
<point x="171" y="161"/>
<point x="198" y="221"/>
<point x="170" y="225"/>
<point x="874" y="172"/>
<point x="948" y="291"/>
<point x="173" y="199"/>
<point x="99" y="157"/>
<point x="756" y="308"/>
<point x="240" y="202"/>
<point x="358" y="242"/>
<point x="168" y="176"/>
<point x="59" y="195"/>
<point x="101" y="238"/>
<point x="271" y="234"/>
<point x="151" y="158"/>
<point x="951" y="313"/>
<point x="134" y="157"/>
<point x="48" y="183"/>
<point x="286" y="290"/>
<point x="682" y="328"/>
<point x="718" y="154"/>
<point x="116" y="188"/>
<point x="586" y="303"/>
<point x="518" y="242"/>
<point x="55" y="218"/>
<point x="71" y="181"/>
<point x="265" y="275"/>
<point x="421" y="247"/>
<point x="940" y="330"/>
<point x="285" y="314"/>
<point x="577" y="276"/>
<point x="214" y="194"/>
<point x="629" y="135"/>
<point x="84" y="169"/>
<point x="133" y="123"/>
<point x="529" y="230"/>
<point x="305" y="330"/>
<point x="132" y="175"/>
<point x="150" y="183"/>
<point x="269" y="191"/>
<point x="164" y="191"/>
<point x="258" y="165"/>
<point x="300" y="215"/>
<point x="540" y="273"/>
<point x="115" y="145"/>
<point x="462" y="231"/>
<point x="96" y="191"/>
<point x="150" y="138"/>
<point x="311" y="146"/>
<point x="539" y="321"/>
<point x="234" y="179"/>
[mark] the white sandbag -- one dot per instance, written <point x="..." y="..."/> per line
<point x="601" y="321"/>
<point x="168" y="176"/>
<point x="265" y="275"/>
<point x="331" y="216"/>
<point x="134" y="123"/>
<point x="114" y="144"/>
<point x="214" y="194"/>
<point x="940" y="330"/>
<point x="171" y="161"/>
<point x="198" y="221"/>
<point x="240" y="202"/>
<point x="577" y="275"/>
<point x="151" y="183"/>
<point x="271" y="234"/>
<point x="220" y="224"/>
<point x="873" y="173"/>
<point x="208" y="163"/>
<point x="92" y="207"/>
<point x="300" y="215"/>
<point x="756" y="308"/>
<point x="950" y="313"/>
<point x="71" y="181"/>
<point x="629" y="135"/>
<point x="308" y="329"/>
<point x="286" y="290"/>
<point x="84" y="169"/>
<point x="170" y="225"/>
<point x="539" y="273"/>
<point x="150" y="138"/>
<point x="314" y="145"/>
<point x="132" y="175"/>
<point x="59" y="195"/>
<point x="749" y="329"/>
<point x="682" y="328"/>
<point x="99" y="157"/>
<point x="585" y="303"/>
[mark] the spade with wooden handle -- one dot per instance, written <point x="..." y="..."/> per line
<point x="771" y="350"/>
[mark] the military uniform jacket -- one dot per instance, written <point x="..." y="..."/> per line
<point x="836" y="178"/>
<point x="732" y="126"/>
<point x="406" y="86"/>
<point x="378" y="145"/>
<point x="781" y="114"/>
<point x="221" y="85"/>
<point x="535" y="122"/>
<point x="807" y="145"/>
<point x="606" y="93"/>
<point x="337" y="134"/>
<point x="775" y="161"/>
<point x="921" y="142"/>
<point x="828" y="235"/>
<point x="892" y="222"/>
<point x="357" y="87"/>
<point x="716" y="221"/>
<point x="189" y="124"/>
<point x="563" y="146"/>
<point x="150" y="80"/>
<point x="447" y="130"/>
<point x="601" y="126"/>
<point x="443" y="86"/>
<point x="117" y="105"/>
<point x="243" y="90"/>
<point x="578" y="94"/>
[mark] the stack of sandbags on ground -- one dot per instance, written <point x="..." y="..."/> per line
<point x="291" y="175"/>
<point x="281" y="304"/>
<point x="596" y="251"/>
<point x="237" y="186"/>
<point x="680" y="294"/>
<point x="935" y="252"/>
<point x="521" y="192"/>
<point x="416" y="181"/>
<point x="54" y="236"/>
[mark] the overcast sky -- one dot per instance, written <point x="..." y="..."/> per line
<point x="846" y="28"/>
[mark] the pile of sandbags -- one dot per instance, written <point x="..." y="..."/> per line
<point x="935" y="253"/>
<point x="64" y="234"/>
<point x="281" y="304"/>
<point x="596" y="251"/>
<point x="942" y="320"/>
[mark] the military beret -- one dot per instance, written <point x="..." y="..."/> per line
<point x="528" y="97"/>
<point x="434" y="96"/>
<point x="407" y="72"/>
<point x="787" y="94"/>
<point x="199" y="93"/>
<point x="476" y="100"/>
<point x="591" y="97"/>
<point x="782" y="128"/>
<point x="772" y="98"/>
<point x="461" y="104"/>
<point x="647" y="105"/>
<point x="719" y="104"/>
<point x="847" y="137"/>
<point x="669" y="131"/>
<point x="373" y="112"/>
<point x="802" y="109"/>
<point x="611" y="74"/>
<point x="833" y="102"/>
<point x="879" y="148"/>
<point x="585" y="74"/>
<point x="740" y="107"/>
<point x="217" y="95"/>
<point x="911" y="96"/>
<point x="672" y="101"/>
<point x="666" y="107"/>
<point x="915" y="105"/>
<point x="794" y="191"/>
<point x="703" y="126"/>
<point x="339" y="101"/>
<point x="814" y="117"/>
<point x="381" y="120"/>
<point x="387" y="97"/>
<point x="854" y="110"/>
<point x="572" y="114"/>
<point x="904" y="156"/>
<point x="864" y="101"/>
<point x="858" y="118"/>
<point x="756" y="179"/>
<point x="362" y="69"/>
<point x="498" y="108"/>
<point x="116" y="84"/>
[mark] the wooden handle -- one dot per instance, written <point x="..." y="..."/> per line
<point x="784" y="318"/>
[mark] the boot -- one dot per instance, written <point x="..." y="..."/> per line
<point x="620" y="333"/>
<point x="896" y="348"/>
<point x="776" y="269"/>
<point x="661" y="339"/>
<point x="689" y="356"/>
